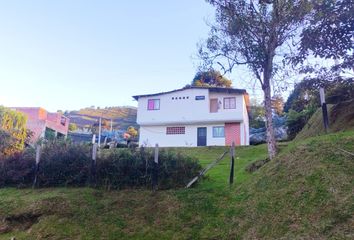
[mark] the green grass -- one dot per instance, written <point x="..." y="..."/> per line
<point x="305" y="193"/>
<point x="341" y="118"/>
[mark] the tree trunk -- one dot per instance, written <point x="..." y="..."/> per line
<point x="272" y="150"/>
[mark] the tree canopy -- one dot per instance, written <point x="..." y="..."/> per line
<point x="329" y="32"/>
<point x="211" y="78"/>
<point x="12" y="131"/>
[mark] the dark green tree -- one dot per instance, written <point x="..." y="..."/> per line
<point x="329" y="32"/>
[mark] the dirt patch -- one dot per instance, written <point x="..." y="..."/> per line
<point x="256" y="165"/>
<point x="20" y="222"/>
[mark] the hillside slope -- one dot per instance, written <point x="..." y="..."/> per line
<point x="305" y="193"/>
<point x="122" y="117"/>
<point x="341" y="117"/>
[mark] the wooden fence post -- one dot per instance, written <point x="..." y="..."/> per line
<point x="155" y="174"/>
<point x="324" y="109"/>
<point x="38" y="158"/>
<point x="232" y="152"/>
<point x="93" y="164"/>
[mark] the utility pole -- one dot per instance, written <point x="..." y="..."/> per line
<point x="324" y="109"/>
<point x="111" y="125"/>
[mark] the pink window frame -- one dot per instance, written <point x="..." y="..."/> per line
<point x="153" y="100"/>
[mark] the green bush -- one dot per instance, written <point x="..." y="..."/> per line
<point x="17" y="169"/>
<point x="297" y="120"/>
<point x="64" y="164"/>
<point x="126" y="168"/>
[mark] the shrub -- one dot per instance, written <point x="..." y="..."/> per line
<point x="17" y="169"/>
<point x="125" y="168"/>
<point x="64" y="164"/>
<point x="122" y="145"/>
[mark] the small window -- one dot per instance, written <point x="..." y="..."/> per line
<point x="154" y="104"/>
<point x="175" y="130"/>
<point x="218" y="132"/>
<point x="63" y="121"/>
<point x="229" y="103"/>
<point x="173" y="98"/>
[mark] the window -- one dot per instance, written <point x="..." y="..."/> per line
<point x="218" y="132"/>
<point x="63" y="121"/>
<point x="175" y="130"/>
<point x="154" y="104"/>
<point x="229" y="103"/>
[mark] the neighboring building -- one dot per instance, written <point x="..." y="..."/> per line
<point x="44" y="124"/>
<point x="194" y="116"/>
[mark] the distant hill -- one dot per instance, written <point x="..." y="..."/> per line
<point x="341" y="118"/>
<point x="122" y="117"/>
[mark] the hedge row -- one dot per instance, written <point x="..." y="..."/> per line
<point x="64" y="164"/>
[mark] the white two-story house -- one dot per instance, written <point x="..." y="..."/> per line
<point x="194" y="116"/>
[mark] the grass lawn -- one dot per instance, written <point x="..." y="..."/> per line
<point x="306" y="192"/>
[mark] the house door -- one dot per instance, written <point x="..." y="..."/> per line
<point x="202" y="136"/>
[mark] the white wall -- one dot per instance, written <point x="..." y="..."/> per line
<point x="188" y="110"/>
<point x="150" y="135"/>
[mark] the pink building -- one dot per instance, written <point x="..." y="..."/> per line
<point x="44" y="124"/>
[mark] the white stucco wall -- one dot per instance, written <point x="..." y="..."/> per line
<point x="150" y="135"/>
<point x="188" y="110"/>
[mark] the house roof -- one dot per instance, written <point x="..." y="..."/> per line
<point x="211" y="89"/>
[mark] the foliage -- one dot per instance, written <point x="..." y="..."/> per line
<point x="304" y="100"/>
<point x="278" y="104"/>
<point x="329" y="33"/>
<point x="65" y="164"/>
<point x="126" y="168"/>
<point x="306" y="92"/>
<point x="341" y="118"/>
<point x="210" y="78"/>
<point x="72" y="127"/>
<point x="252" y="34"/>
<point x="296" y="120"/>
<point x="132" y="132"/>
<point x="12" y="131"/>
<point x="257" y="116"/>
<point x="17" y="169"/>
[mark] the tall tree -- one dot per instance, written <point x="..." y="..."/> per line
<point x="252" y="33"/>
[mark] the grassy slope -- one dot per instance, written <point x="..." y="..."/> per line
<point x="307" y="192"/>
<point x="341" y="118"/>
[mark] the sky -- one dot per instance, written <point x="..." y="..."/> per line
<point x="67" y="55"/>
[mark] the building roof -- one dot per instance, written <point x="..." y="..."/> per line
<point x="211" y="89"/>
